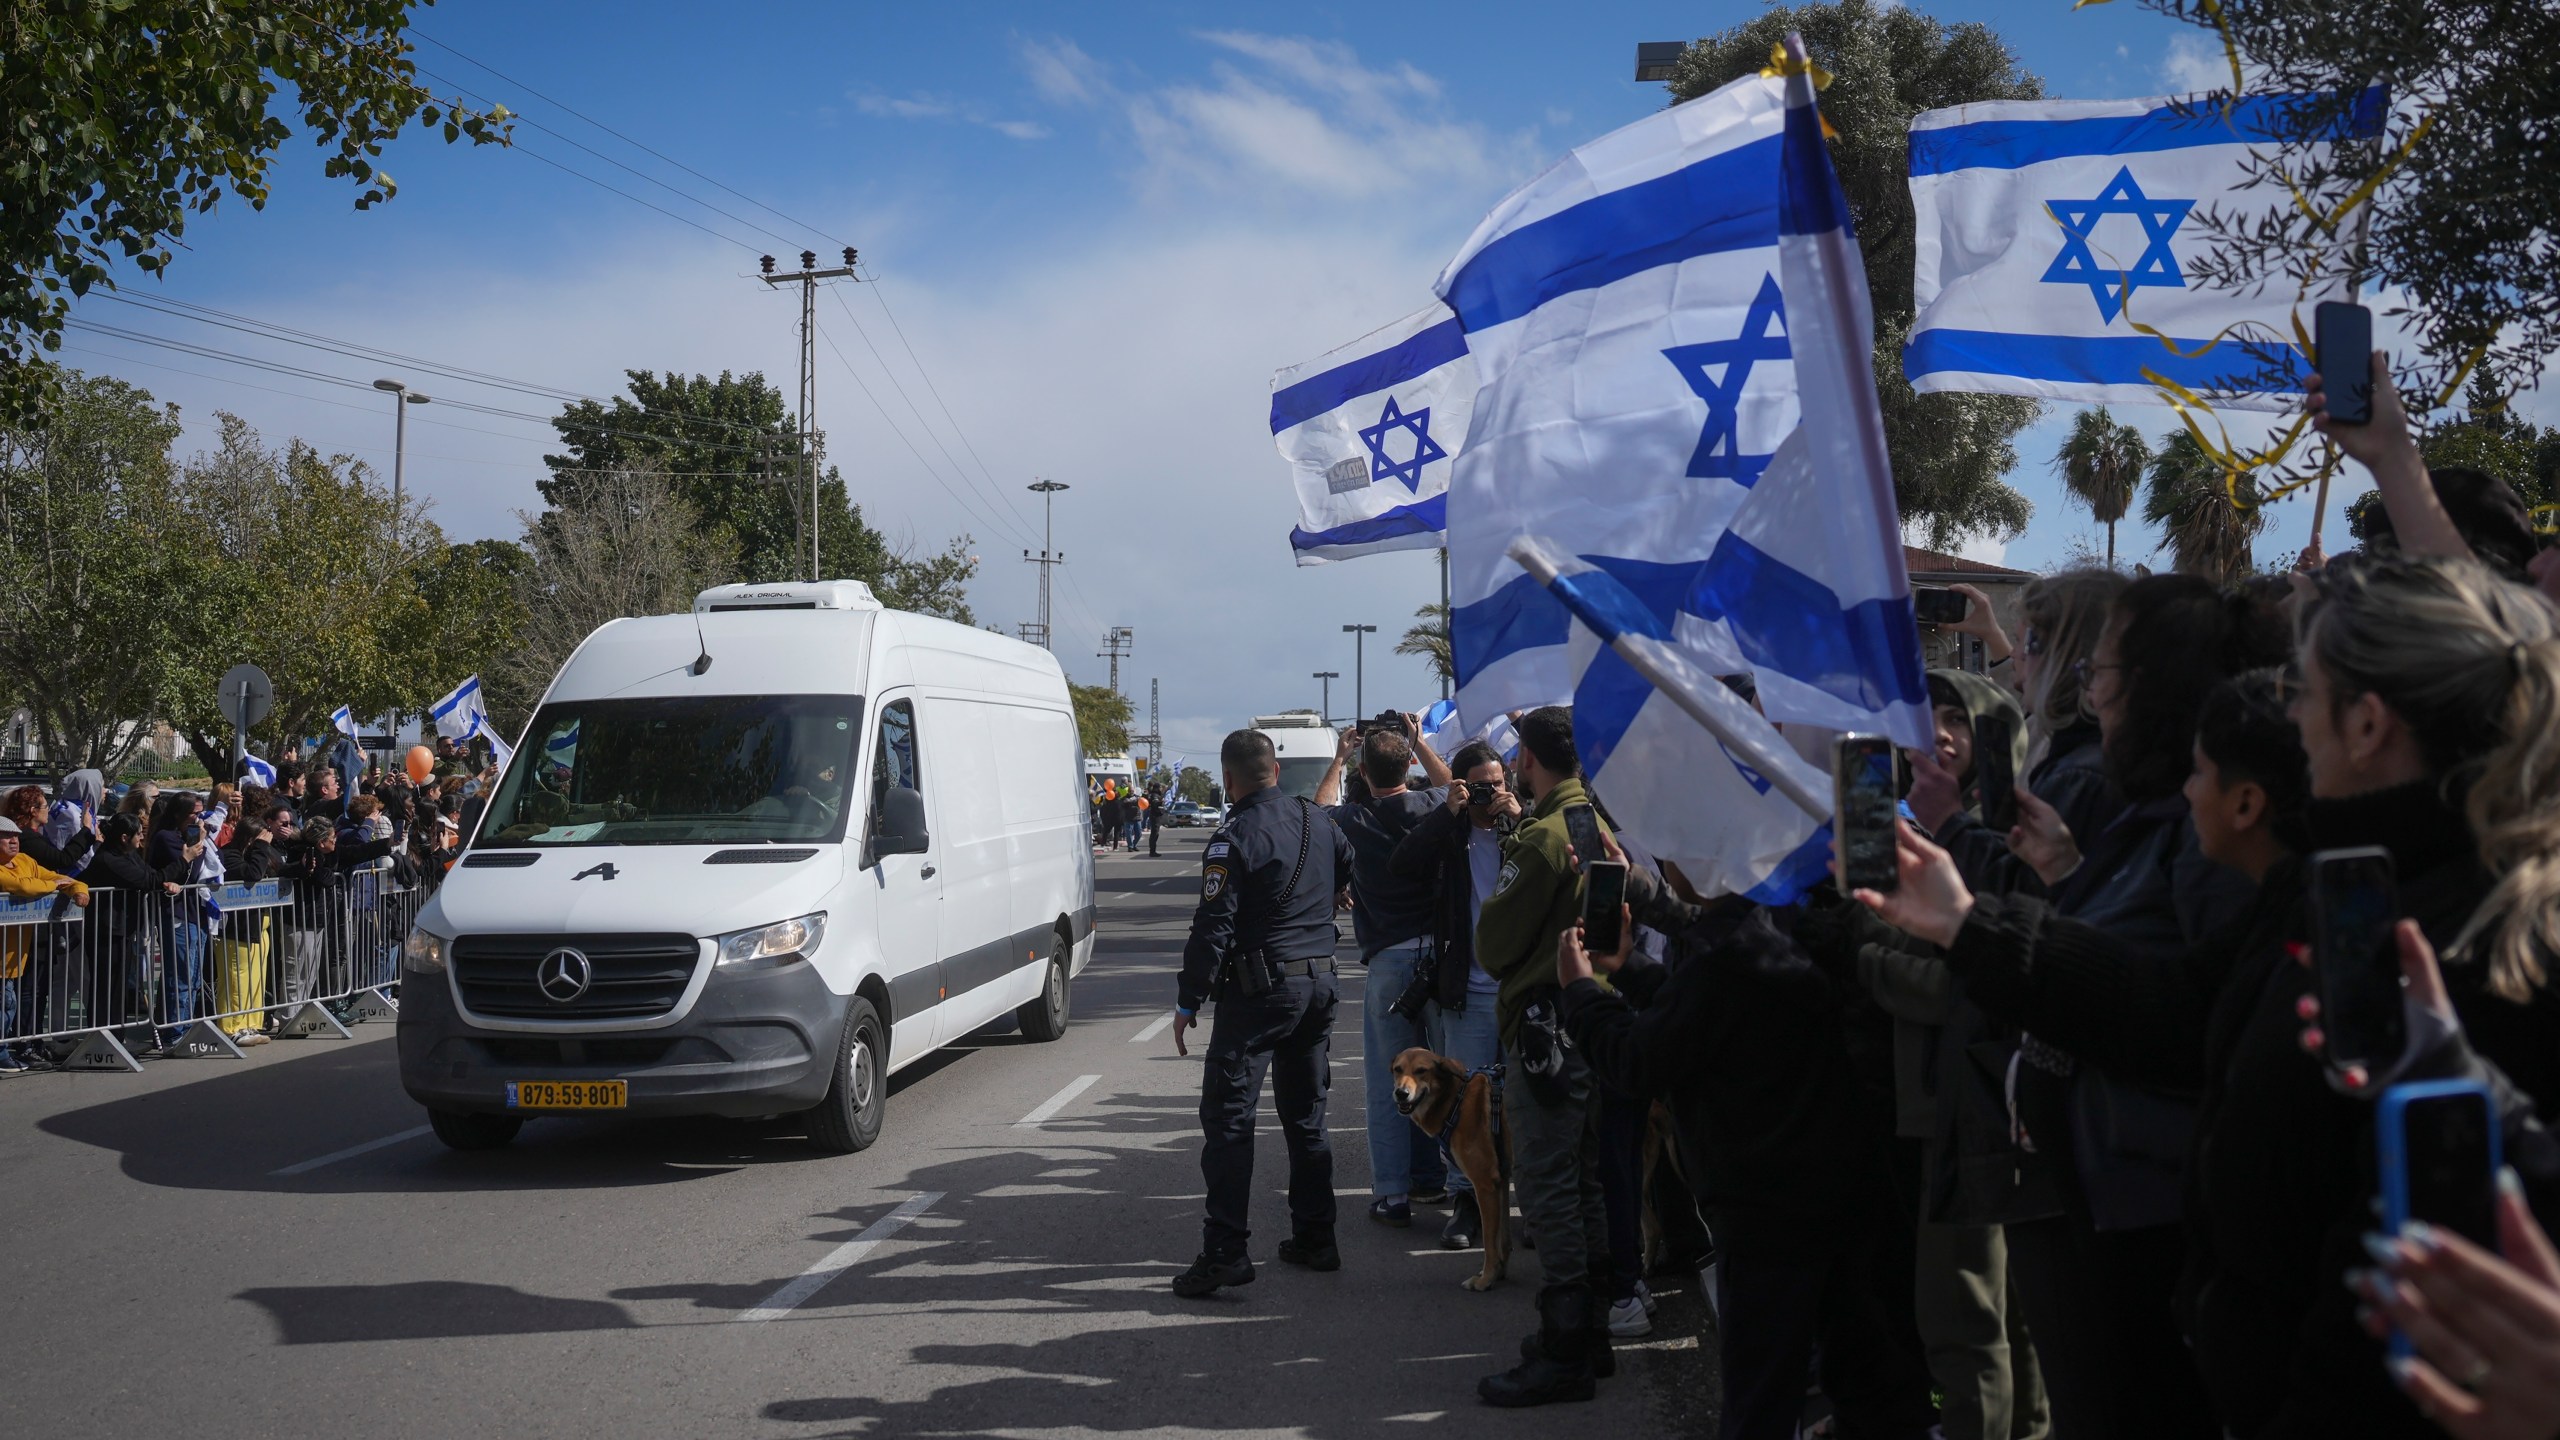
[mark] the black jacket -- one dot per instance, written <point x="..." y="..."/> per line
<point x="1258" y="897"/>
<point x="1747" y="1040"/>
<point x="1435" y="850"/>
<point x="2072" y="778"/>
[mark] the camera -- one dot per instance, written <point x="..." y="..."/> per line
<point x="1387" y="720"/>
<point x="1480" y="793"/>
<point x="1418" y="992"/>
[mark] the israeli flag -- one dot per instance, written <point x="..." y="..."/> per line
<point x="460" y="712"/>
<point x="1739" y="816"/>
<point x="2048" y="229"/>
<point x="1632" y="361"/>
<point x="562" y="749"/>
<point x="343" y="720"/>
<point x="498" y="748"/>
<point x="260" y="772"/>
<point x="1808" y="579"/>
<point x="1446" y="728"/>
<point x="1369" y="431"/>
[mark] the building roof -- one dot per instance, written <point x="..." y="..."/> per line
<point x="1930" y="562"/>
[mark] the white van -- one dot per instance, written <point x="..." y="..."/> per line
<point x="1305" y="746"/>
<point x="753" y="860"/>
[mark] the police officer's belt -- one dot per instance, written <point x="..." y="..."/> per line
<point x="1324" y="966"/>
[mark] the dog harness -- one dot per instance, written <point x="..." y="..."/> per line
<point x="1493" y="1114"/>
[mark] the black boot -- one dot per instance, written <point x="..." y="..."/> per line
<point x="1561" y="1368"/>
<point x="1314" y="1249"/>
<point x="1208" y="1274"/>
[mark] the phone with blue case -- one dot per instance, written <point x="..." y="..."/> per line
<point x="2437" y="1146"/>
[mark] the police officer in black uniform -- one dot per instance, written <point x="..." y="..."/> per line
<point x="1262" y="946"/>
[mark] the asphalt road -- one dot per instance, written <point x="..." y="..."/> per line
<point x="276" y="1245"/>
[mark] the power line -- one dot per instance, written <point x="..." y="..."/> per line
<point x="927" y="376"/>
<point x="921" y="421"/>
<point x="635" y="144"/>
<point x="886" y="419"/>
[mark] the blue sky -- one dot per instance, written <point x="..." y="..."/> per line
<point x="1098" y="230"/>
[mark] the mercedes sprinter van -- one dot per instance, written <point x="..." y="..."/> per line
<point x="753" y="860"/>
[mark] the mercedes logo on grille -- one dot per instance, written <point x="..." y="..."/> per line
<point x="564" y="974"/>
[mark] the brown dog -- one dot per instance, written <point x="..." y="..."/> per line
<point x="1431" y="1089"/>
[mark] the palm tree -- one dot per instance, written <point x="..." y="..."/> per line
<point x="2100" y="462"/>
<point x="2190" y="500"/>
<point x="1429" y="638"/>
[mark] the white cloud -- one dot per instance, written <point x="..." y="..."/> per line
<point x="1059" y="70"/>
<point x="934" y="107"/>
<point x="2195" y="63"/>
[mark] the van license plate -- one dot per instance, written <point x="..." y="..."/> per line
<point x="568" y="1094"/>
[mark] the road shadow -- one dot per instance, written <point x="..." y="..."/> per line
<point x="424" y="1310"/>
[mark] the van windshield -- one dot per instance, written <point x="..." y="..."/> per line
<point x="1301" y="774"/>
<point x="710" y="770"/>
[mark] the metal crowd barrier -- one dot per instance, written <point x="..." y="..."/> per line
<point x="185" y="972"/>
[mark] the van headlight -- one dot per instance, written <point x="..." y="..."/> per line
<point x="423" y="952"/>
<point x="772" y="942"/>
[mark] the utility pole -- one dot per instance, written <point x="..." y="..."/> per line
<point x="1153" y="739"/>
<point x="1119" y="642"/>
<point x="1328" y="677"/>
<point x="808" y="276"/>
<point x="1050" y="555"/>
<point x="1448" y="622"/>
<point x="401" y="399"/>
<point x="1359" y="670"/>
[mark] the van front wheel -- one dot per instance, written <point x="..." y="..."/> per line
<point x="1044" y="1017"/>
<point x="857" y="1099"/>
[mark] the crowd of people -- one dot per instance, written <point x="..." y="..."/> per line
<point x="2048" y="1138"/>
<point x="1121" y="815"/>
<point x="155" y="950"/>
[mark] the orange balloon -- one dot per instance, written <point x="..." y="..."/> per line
<point x="421" y="763"/>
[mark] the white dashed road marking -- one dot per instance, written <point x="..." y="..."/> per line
<point x="1058" y="1102"/>
<point x="842" y="1258"/>
<point x="351" y="1152"/>
<point x="1154" y="1028"/>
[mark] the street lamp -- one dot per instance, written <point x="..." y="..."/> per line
<point x="1328" y="677"/>
<point x="1359" y="700"/>
<point x="1654" y="59"/>
<point x="401" y="400"/>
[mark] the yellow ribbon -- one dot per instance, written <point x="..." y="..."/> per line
<point x="1780" y="67"/>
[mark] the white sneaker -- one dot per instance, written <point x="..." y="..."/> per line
<point x="1627" y="1320"/>
<point x="1645" y="1295"/>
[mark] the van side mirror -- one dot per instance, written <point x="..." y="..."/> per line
<point x="897" y="827"/>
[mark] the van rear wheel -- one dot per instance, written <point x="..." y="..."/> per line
<point x="464" y="1130"/>
<point x="857" y="1100"/>
<point x="1044" y="1016"/>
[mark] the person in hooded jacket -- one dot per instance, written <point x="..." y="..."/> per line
<point x="2065" y="768"/>
<point x="77" y="808"/>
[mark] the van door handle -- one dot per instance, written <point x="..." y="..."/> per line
<point x="925" y="874"/>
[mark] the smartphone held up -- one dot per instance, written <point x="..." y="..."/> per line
<point x="2342" y="338"/>
<point x="2355" y="905"/>
<point x="1863" y="809"/>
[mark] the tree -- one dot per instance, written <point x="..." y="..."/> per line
<point x="2490" y="438"/>
<point x="626" y="543"/>
<point x="1195" y="785"/>
<point x="1102" y="718"/>
<point x="1429" y="638"/>
<point x="2190" y="501"/>
<point x="105" y="570"/>
<point x="2100" y="463"/>
<point x="2463" y="222"/>
<point x="728" y="447"/>
<point x="317" y="580"/>
<point x="119" y="118"/>
<point x="1889" y="64"/>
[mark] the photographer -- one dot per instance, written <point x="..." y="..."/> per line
<point x="1457" y="851"/>
<point x="1392" y="918"/>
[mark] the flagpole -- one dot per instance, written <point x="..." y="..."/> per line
<point x="1699" y="695"/>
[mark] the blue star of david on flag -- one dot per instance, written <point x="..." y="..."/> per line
<point x="1425" y="449"/>
<point x="1763" y="337"/>
<point x="2158" y="265"/>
